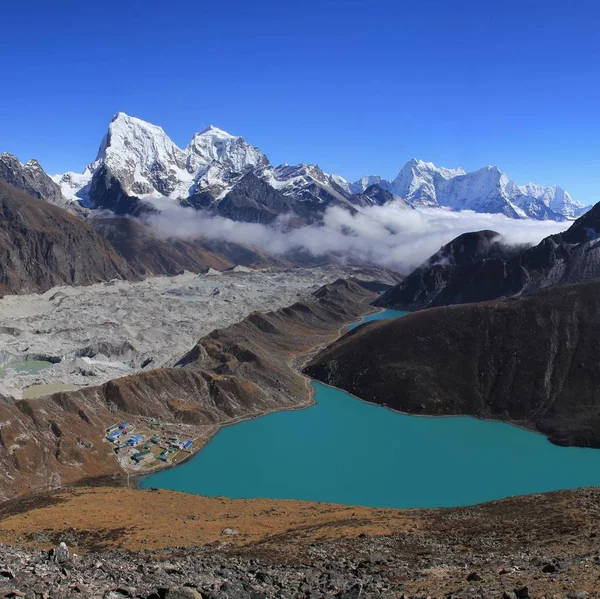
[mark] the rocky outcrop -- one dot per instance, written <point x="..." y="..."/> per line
<point x="461" y="271"/>
<point x="30" y="178"/>
<point x="107" y="192"/>
<point x="242" y="371"/>
<point x="374" y="195"/>
<point x="252" y="200"/>
<point x="42" y="245"/>
<point x="531" y="361"/>
<point x="479" y="267"/>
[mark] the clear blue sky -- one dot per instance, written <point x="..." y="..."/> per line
<point x="355" y="86"/>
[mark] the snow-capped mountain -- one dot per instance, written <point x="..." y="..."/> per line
<point x="363" y="183"/>
<point x="137" y="161"/>
<point x="146" y="163"/>
<point x="485" y="190"/>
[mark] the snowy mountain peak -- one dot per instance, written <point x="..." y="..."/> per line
<point x="143" y="157"/>
<point x="417" y="179"/>
<point x="485" y="190"/>
<point x="214" y="131"/>
<point x="215" y="145"/>
<point x="147" y="163"/>
<point x="364" y="183"/>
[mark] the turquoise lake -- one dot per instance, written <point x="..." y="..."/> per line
<point x="344" y="450"/>
<point x="379" y="316"/>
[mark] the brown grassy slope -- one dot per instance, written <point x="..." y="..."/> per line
<point x="532" y="361"/>
<point x="425" y="552"/>
<point x="42" y="245"/>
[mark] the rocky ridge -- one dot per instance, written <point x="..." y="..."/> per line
<point x="137" y="161"/>
<point x="31" y="179"/>
<point x="43" y="245"/>
<point x="480" y="267"/>
<point x="531" y="361"/>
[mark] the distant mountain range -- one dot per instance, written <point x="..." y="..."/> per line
<point x="137" y="162"/>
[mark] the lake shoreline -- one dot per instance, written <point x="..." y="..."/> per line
<point x="297" y="364"/>
<point x="314" y="387"/>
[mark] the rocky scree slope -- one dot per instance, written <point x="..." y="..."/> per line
<point x="479" y="266"/>
<point x="42" y="245"/>
<point x="539" y="546"/>
<point x="532" y="361"/>
<point x="242" y="371"/>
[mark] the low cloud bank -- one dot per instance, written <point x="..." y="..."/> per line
<point x="391" y="236"/>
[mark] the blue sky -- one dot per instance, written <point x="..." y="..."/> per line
<point x="355" y="86"/>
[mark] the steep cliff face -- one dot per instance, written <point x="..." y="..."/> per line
<point x="42" y="245"/>
<point x="30" y="178"/>
<point x="457" y="272"/>
<point x="532" y="361"/>
<point x="242" y="371"/>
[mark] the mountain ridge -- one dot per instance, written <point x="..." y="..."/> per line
<point x="43" y="245"/>
<point x="530" y="360"/>
<point x="478" y="266"/>
<point x="146" y="163"/>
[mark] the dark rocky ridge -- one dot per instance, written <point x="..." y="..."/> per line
<point x="108" y="193"/>
<point x="474" y="267"/>
<point x="251" y="200"/>
<point x="42" y="245"/>
<point x="245" y="370"/>
<point x="374" y="195"/>
<point x="29" y="178"/>
<point x="532" y="361"/>
<point x="463" y="270"/>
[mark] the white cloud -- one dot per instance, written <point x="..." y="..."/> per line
<point x="392" y="236"/>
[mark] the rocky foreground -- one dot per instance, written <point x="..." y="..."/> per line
<point x="540" y="546"/>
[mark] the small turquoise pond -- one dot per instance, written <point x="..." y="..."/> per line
<point x="25" y="367"/>
<point x="344" y="450"/>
